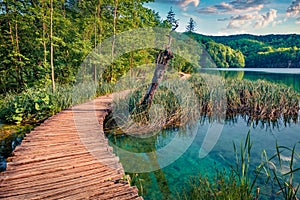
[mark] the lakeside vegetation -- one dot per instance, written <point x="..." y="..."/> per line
<point x="258" y="100"/>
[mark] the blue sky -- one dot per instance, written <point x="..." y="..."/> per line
<point x="227" y="17"/>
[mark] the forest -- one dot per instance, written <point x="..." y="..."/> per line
<point x="265" y="51"/>
<point x="44" y="40"/>
<point x="48" y="39"/>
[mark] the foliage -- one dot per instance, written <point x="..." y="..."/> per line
<point x="223" y="186"/>
<point x="30" y="106"/>
<point x="34" y="105"/>
<point x="79" y="26"/>
<point x="268" y="51"/>
<point x="223" y="55"/>
<point x="191" y="26"/>
<point x="280" y="171"/>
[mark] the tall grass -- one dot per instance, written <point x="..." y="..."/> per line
<point x="260" y="100"/>
<point x="236" y="185"/>
<point x="222" y="186"/>
<point x="173" y="105"/>
<point x="280" y="171"/>
<point x="241" y="181"/>
<point x="242" y="168"/>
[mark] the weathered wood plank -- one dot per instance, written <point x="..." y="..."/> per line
<point x="67" y="157"/>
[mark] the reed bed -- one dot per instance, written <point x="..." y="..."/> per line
<point x="178" y="102"/>
<point x="173" y="105"/>
<point x="260" y="99"/>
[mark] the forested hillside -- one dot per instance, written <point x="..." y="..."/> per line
<point x="223" y="55"/>
<point x="269" y="51"/>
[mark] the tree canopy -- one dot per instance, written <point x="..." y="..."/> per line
<point x="78" y="26"/>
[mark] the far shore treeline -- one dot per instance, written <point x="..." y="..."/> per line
<point x="265" y="51"/>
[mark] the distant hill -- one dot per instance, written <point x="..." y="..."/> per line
<point x="267" y="51"/>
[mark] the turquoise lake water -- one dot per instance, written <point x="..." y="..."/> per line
<point x="168" y="181"/>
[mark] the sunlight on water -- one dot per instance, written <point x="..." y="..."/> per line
<point x="167" y="182"/>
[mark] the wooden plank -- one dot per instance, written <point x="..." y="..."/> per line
<point x="67" y="157"/>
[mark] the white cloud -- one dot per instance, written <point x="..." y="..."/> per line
<point x="240" y="21"/>
<point x="251" y="20"/>
<point x="266" y="19"/>
<point x="298" y="20"/>
<point x="185" y="3"/>
<point x="234" y="7"/>
<point x="294" y="9"/>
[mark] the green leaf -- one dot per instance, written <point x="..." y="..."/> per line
<point x="37" y="106"/>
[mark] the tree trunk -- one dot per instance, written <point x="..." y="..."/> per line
<point x="97" y="17"/>
<point x="44" y="32"/>
<point x="51" y="46"/>
<point x="114" y="36"/>
<point x="21" y="81"/>
<point x="12" y="42"/>
<point x="162" y="62"/>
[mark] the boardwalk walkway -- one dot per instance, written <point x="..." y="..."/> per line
<point x="67" y="157"/>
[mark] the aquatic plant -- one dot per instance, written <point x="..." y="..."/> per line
<point x="280" y="171"/>
<point x="221" y="186"/>
<point x="260" y="99"/>
<point x="242" y="168"/>
<point x="277" y="172"/>
<point x="237" y="183"/>
<point x="173" y="105"/>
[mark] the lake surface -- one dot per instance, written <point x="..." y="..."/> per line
<point x="289" y="77"/>
<point x="167" y="182"/>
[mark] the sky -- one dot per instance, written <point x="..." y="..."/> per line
<point x="228" y="17"/>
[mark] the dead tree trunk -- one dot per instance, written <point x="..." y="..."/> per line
<point x="163" y="59"/>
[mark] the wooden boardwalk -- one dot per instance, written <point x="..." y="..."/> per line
<point x="67" y="157"/>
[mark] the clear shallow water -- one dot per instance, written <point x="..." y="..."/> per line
<point x="289" y="77"/>
<point x="167" y="182"/>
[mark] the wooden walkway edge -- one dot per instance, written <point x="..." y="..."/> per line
<point x="67" y="157"/>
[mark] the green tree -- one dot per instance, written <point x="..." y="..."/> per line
<point x="171" y="19"/>
<point x="191" y="26"/>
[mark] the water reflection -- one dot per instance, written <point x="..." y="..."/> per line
<point x="165" y="183"/>
<point x="288" y="77"/>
